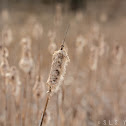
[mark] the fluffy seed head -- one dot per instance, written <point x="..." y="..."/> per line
<point x="58" y="69"/>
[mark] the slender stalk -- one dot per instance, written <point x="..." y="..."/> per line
<point x="43" y="115"/>
<point x="57" y="106"/>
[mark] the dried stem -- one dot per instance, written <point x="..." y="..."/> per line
<point x="57" y="106"/>
<point x="43" y="115"/>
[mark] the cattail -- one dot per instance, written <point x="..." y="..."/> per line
<point x="93" y="59"/>
<point x="58" y="69"/>
<point x="37" y="31"/>
<point x="80" y="44"/>
<point x="39" y="88"/>
<point x="60" y="60"/>
<point x="7" y="36"/>
<point x="26" y="62"/>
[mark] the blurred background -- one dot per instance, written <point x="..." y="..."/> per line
<point x="93" y="91"/>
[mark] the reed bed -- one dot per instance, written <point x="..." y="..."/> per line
<point x="37" y="91"/>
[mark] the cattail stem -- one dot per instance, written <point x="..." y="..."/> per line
<point x="57" y="106"/>
<point x="43" y="115"/>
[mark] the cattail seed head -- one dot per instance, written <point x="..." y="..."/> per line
<point x="58" y="69"/>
